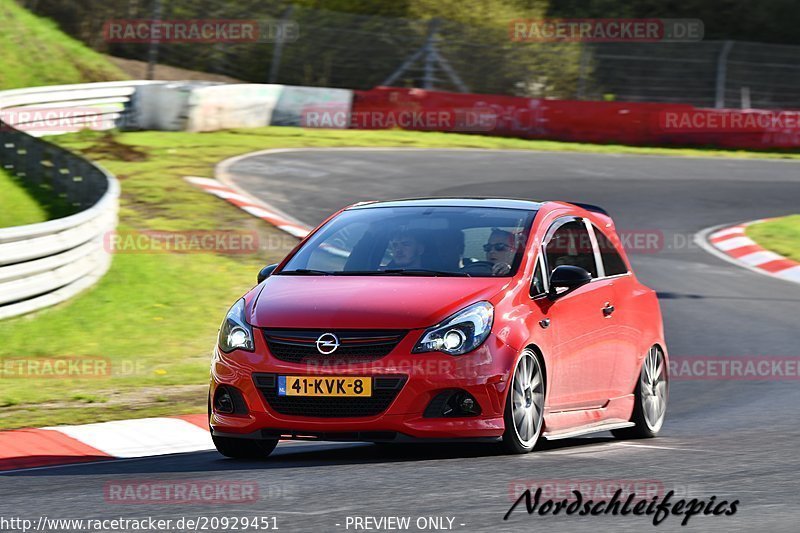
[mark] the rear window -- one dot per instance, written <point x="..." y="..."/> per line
<point x="612" y="260"/>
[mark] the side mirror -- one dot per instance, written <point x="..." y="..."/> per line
<point x="265" y="272"/>
<point x="567" y="277"/>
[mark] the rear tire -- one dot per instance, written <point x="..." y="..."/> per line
<point x="650" y="398"/>
<point x="244" y="448"/>
<point x="524" y="405"/>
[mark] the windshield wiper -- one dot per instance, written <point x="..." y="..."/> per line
<point x="304" y="272"/>
<point x="424" y="272"/>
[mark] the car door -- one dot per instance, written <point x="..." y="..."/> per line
<point x="628" y="332"/>
<point x="583" y="330"/>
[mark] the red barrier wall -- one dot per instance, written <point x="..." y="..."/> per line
<point x="577" y="121"/>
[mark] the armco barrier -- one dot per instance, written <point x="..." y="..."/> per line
<point x="44" y="264"/>
<point x="576" y="121"/>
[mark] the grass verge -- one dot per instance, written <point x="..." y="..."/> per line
<point x="48" y="56"/>
<point x="24" y="203"/>
<point x="153" y="318"/>
<point x="781" y="235"/>
<point x="17" y="205"/>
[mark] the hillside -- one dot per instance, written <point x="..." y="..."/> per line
<point x="33" y="51"/>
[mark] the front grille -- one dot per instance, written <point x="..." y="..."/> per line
<point x="355" y="346"/>
<point x="384" y="391"/>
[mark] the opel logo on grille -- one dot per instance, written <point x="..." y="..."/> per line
<point x="327" y="343"/>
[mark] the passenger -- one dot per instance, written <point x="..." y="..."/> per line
<point x="500" y="251"/>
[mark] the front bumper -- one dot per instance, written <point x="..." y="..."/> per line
<point x="483" y="373"/>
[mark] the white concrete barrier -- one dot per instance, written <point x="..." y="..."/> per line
<point x="205" y="106"/>
<point x="232" y="106"/>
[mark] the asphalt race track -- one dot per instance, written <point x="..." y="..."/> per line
<point x="733" y="439"/>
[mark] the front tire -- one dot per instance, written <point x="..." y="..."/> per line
<point x="244" y="448"/>
<point x="524" y="411"/>
<point x="650" y="398"/>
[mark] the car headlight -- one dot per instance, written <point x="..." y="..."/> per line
<point x="460" y="333"/>
<point x="235" y="333"/>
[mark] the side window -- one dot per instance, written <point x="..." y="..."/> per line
<point x="612" y="260"/>
<point x="571" y="245"/>
<point x="537" y="283"/>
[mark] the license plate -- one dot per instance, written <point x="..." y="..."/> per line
<point x="324" y="386"/>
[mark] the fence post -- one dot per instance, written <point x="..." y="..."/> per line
<point x="277" y="50"/>
<point x="152" y="53"/>
<point x="429" y="52"/>
<point x="722" y="72"/>
<point x="429" y="79"/>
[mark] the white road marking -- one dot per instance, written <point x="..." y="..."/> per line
<point x="604" y="447"/>
<point x="792" y="273"/>
<point x="738" y="230"/>
<point x="733" y="243"/>
<point x="204" y="181"/>
<point x="229" y="195"/>
<point x="257" y="211"/>
<point x="636" y="445"/>
<point x="143" y="437"/>
<point x="759" y="258"/>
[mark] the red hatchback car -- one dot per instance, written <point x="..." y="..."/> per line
<point x="443" y="319"/>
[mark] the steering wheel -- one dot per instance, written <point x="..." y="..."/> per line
<point x="478" y="267"/>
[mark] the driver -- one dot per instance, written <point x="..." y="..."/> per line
<point x="406" y="249"/>
<point x="500" y="251"/>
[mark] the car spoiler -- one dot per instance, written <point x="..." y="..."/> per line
<point x="592" y="208"/>
<point x="603" y="214"/>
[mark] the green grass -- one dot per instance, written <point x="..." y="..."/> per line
<point x="33" y="51"/>
<point x="17" y="205"/>
<point x="781" y="235"/>
<point x="155" y="316"/>
<point x="24" y="203"/>
<point x="287" y="137"/>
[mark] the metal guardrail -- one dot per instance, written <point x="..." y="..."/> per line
<point x="47" y="263"/>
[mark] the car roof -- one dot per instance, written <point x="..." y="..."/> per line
<point x="504" y="203"/>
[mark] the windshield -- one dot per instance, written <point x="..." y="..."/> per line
<point x="417" y="241"/>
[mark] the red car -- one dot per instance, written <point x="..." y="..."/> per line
<point x="443" y="319"/>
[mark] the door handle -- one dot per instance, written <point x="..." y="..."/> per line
<point x="608" y="310"/>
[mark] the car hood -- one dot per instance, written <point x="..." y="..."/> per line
<point x="366" y="302"/>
